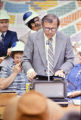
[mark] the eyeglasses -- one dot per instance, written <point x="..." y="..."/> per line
<point x="52" y="29"/>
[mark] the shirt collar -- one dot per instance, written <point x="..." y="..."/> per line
<point x="46" y="38"/>
<point x="32" y="31"/>
<point x="3" y="33"/>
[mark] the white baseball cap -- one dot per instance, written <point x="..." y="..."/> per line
<point x="29" y="15"/>
<point x="4" y="14"/>
<point x="18" y="46"/>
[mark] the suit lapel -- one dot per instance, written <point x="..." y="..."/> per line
<point x="41" y="47"/>
<point x="7" y="39"/>
<point x="57" y="49"/>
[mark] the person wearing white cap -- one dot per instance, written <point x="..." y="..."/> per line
<point x="7" y="37"/>
<point x="13" y="78"/>
<point x="32" y="20"/>
<point x="74" y="79"/>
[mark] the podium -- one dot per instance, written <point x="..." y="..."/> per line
<point x="54" y="89"/>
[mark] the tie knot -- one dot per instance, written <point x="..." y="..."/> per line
<point x="2" y="35"/>
<point x="51" y="39"/>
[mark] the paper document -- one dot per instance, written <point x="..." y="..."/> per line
<point x="77" y="102"/>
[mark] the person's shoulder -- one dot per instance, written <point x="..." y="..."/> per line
<point x="7" y="61"/>
<point x="11" y="32"/>
<point x="36" y="34"/>
<point x="60" y="33"/>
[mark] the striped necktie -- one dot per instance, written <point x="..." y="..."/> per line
<point x="50" y="65"/>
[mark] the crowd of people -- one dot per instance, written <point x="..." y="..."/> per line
<point x="44" y="50"/>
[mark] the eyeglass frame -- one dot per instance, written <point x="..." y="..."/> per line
<point x="48" y="29"/>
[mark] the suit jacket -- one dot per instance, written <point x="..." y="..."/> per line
<point x="34" y="54"/>
<point x="9" y="39"/>
<point x="24" y="37"/>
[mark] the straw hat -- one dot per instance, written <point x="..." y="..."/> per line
<point x="4" y="14"/>
<point x="29" y="16"/>
<point x="32" y="106"/>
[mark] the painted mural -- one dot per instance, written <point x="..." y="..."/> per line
<point x="69" y="12"/>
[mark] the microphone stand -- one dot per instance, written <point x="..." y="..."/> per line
<point x="48" y="64"/>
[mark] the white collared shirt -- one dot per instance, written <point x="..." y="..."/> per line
<point x="1" y="34"/>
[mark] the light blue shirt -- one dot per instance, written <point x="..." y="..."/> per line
<point x="74" y="79"/>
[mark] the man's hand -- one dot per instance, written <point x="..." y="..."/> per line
<point x="60" y="73"/>
<point x="1" y="59"/>
<point x="31" y="74"/>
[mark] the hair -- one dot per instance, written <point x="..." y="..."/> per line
<point x="30" y="22"/>
<point x="15" y="52"/>
<point x="49" y="18"/>
<point x="74" y="115"/>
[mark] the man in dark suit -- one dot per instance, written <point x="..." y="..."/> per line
<point x="7" y="37"/>
<point x="36" y="54"/>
